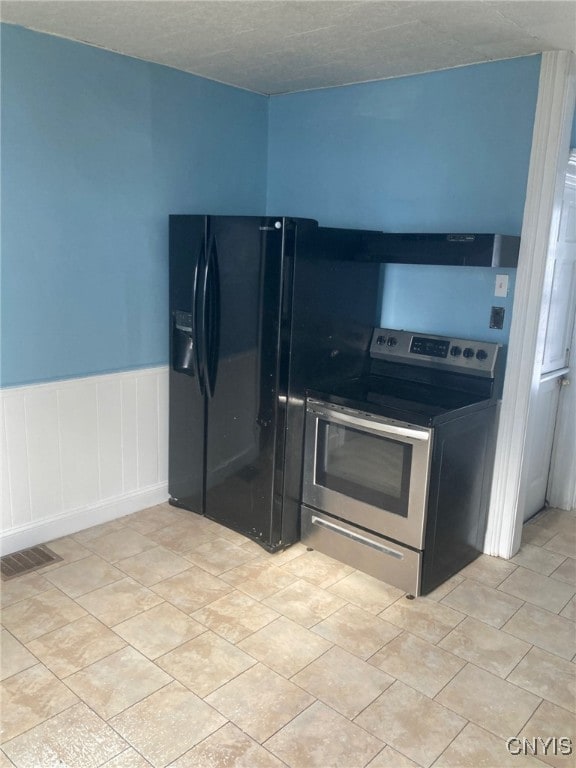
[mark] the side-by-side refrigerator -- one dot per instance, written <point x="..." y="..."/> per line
<point x="231" y="298"/>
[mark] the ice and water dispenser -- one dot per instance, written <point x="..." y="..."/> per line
<point x="183" y="343"/>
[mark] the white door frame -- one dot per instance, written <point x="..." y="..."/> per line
<point x="548" y="162"/>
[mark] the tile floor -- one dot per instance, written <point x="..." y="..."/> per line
<point x="163" y="639"/>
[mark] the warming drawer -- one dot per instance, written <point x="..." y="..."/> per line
<point x="372" y="554"/>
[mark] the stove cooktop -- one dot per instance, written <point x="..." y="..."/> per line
<point x="403" y="401"/>
<point x="419" y="378"/>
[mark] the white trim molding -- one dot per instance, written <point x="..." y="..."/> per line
<point x="80" y="452"/>
<point x="548" y="159"/>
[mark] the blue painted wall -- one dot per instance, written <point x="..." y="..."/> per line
<point x="97" y="150"/>
<point x="445" y="300"/>
<point x="440" y="152"/>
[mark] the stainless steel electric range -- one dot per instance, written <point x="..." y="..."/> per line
<point x="398" y="462"/>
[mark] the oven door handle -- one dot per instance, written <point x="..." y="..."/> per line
<point x="375" y="426"/>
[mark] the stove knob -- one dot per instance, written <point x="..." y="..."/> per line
<point x="468" y="352"/>
<point x="380" y="339"/>
<point x="456" y="351"/>
<point x="481" y="354"/>
<point x="392" y="341"/>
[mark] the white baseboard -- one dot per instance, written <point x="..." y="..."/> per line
<point x="47" y="530"/>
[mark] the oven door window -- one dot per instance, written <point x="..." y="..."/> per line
<point x="369" y="468"/>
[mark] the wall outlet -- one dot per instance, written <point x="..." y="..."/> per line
<point x="497" y="317"/>
<point x="501" y="287"/>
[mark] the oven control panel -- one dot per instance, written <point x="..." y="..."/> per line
<point x="476" y="358"/>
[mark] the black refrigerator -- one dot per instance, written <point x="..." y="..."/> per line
<point x="231" y="357"/>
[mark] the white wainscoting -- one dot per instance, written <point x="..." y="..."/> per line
<point x="80" y="452"/>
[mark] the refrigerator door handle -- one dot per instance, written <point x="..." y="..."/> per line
<point x="212" y="317"/>
<point x="197" y="309"/>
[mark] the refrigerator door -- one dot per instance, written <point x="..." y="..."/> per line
<point x="188" y="238"/>
<point x="244" y="296"/>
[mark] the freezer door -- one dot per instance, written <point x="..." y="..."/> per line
<point x="241" y="474"/>
<point x="188" y="238"/>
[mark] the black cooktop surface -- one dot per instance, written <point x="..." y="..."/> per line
<point x="408" y="401"/>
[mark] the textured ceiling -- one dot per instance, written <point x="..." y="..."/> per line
<point x="275" y="46"/>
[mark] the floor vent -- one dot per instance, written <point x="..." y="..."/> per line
<point x="25" y="561"/>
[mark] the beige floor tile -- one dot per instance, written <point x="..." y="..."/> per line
<point x="445" y="588"/>
<point x="99" y="530"/>
<point x="357" y="631"/>
<point x="192" y="589"/>
<point x="181" y="537"/>
<point x="284" y="646"/>
<point x="538" y="559"/>
<point x="205" y="663"/>
<point x="489" y="701"/>
<point x="317" y="568"/>
<point x="559" y="521"/>
<point x="76" y="738"/>
<point x="280" y="558"/>
<point x="566" y="571"/>
<point x="411" y="723"/>
<point x="14" y="657"/>
<point x="5" y="761"/>
<point x="219" y="555"/>
<point x="159" y="630"/>
<point x="417" y="663"/>
<point x="253" y="547"/>
<point x="536" y="535"/>
<point x="569" y="612"/>
<point x="42" y="613"/>
<point x="343" y="681"/>
<point x="228" y="748"/>
<point x="563" y="543"/>
<point x="119" y="544"/>
<point x="321" y="738"/>
<point x="117" y="682"/>
<point x="366" y="592"/>
<point x="22" y="588"/>
<point x="80" y="643"/>
<point x="83" y="576"/>
<point x="390" y="758"/>
<point x="481" y="602"/>
<point x="487" y="647"/>
<point x="167" y="724"/>
<point x="426" y="618"/>
<point x="258" y="579"/>
<point x="476" y="748"/>
<point x="539" y="590"/>
<point x="153" y="565"/>
<point x="550" y="720"/>
<point x="304" y="603"/>
<point x="546" y="630"/>
<point x="119" y="601"/>
<point x="29" y="698"/>
<point x="547" y="676"/>
<point x="259" y="701"/>
<point x="235" y="616"/>
<point x="128" y="759"/>
<point x="153" y="518"/>
<point x="68" y="549"/>
<point x="235" y="537"/>
<point x="488" y="570"/>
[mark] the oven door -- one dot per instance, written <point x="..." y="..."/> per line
<point x="367" y="469"/>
